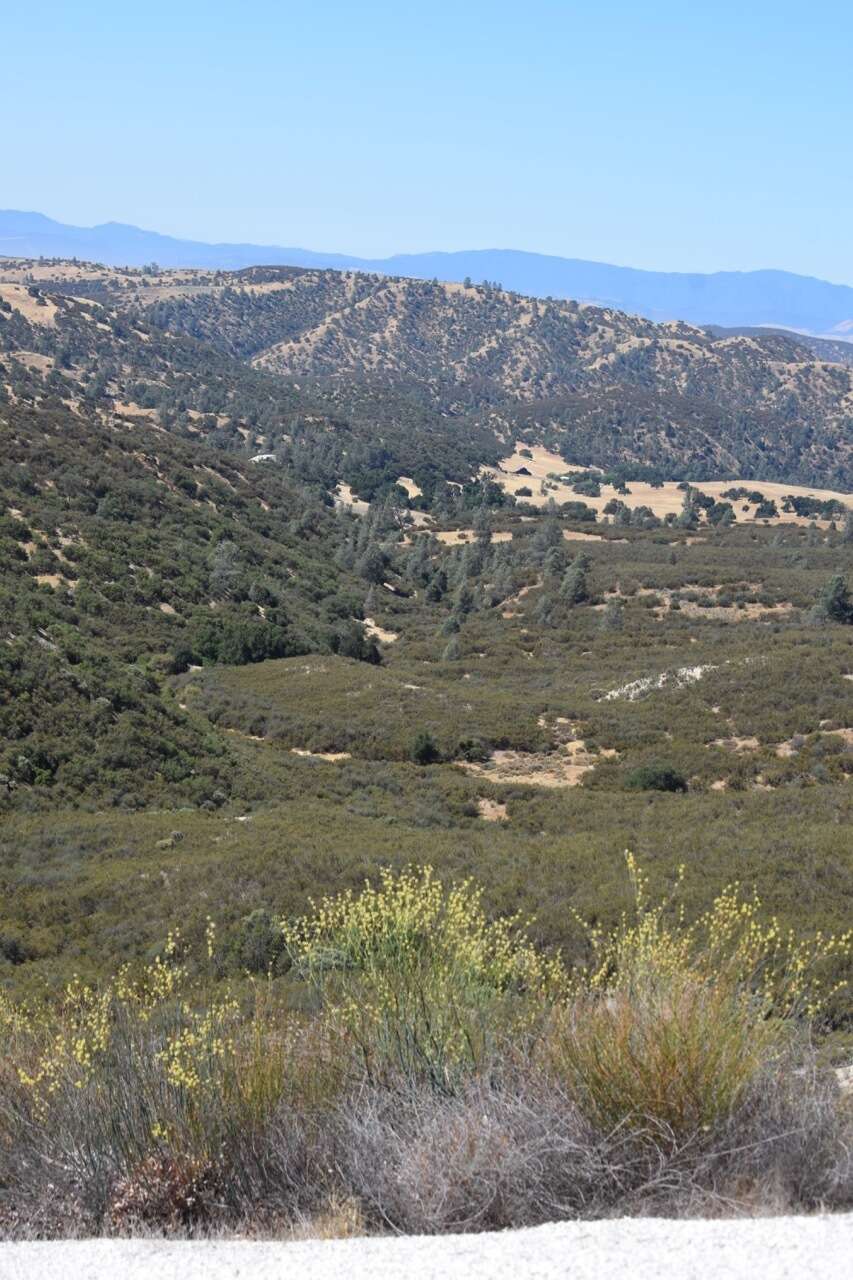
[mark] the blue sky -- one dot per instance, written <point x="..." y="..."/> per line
<point x="692" y="135"/>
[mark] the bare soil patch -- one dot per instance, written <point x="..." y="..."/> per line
<point x="791" y="746"/>
<point x="34" y="360"/>
<point x="345" y="497"/>
<point x="491" y="810"/>
<point x="453" y="537"/>
<point x="37" y="311"/>
<point x="747" y="612"/>
<point x="574" y="535"/>
<point x="380" y="633"/>
<point x="564" y="768"/>
<point x="331" y="757"/>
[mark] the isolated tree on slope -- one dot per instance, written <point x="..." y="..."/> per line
<point x="847" y="531"/>
<point x="834" y="603"/>
<point x="574" y="588"/>
<point x="372" y="564"/>
<point x="613" y="618"/>
<point x="688" y="516"/>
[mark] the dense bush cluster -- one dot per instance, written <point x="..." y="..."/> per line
<point x="451" y="1077"/>
<point x="127" y="561"/>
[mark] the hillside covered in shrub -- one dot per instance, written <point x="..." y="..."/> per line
<point x="229" y="683"/>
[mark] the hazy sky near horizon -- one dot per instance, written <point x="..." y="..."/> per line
<point x="703" y="136"/>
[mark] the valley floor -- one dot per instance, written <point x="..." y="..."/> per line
<point x="728" y="1249"/>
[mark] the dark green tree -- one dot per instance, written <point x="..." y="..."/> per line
<point x="425" y="749"/>
<point x="834" y="603"/>
<point x="574" y="588"/>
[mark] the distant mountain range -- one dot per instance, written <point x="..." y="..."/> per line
<point x="733" y="299"/>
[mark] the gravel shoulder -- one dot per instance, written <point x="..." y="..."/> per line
<point x="820" y="1248"/>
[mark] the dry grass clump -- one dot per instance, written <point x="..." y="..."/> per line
<point x="485" y="1158"/>
<point x="163" y="1191"/>
<point x="150" y="1102"/>
<point x="451" y="1078"/>
<point x="518" y="1151"/>
<point x="671" y="1022"/>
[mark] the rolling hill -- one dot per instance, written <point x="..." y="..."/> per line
<point x="732" y="298"/>
<point x="432" y="380"/>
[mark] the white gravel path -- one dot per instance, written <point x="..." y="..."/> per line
<point x="818" y="1248"/>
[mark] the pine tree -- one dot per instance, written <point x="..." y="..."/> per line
<point x="548" y="535"/>
<point x="688" y="517"/>
<point x="437" y="586"/>
<point x="545" y="610"/>
<point x="834" y="603"/>
<point x="847" y="531"/>
<point x="613" y="617"/>
<point x="574" y="588"/>
<point x="482" y="525"/>
<point x="372" y="564"/>
<point x="555" y="563"/>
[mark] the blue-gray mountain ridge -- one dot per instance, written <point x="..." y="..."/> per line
<point x="729" y="298"/>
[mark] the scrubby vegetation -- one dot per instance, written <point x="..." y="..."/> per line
<point x="448" y="1076"/>
<point x="421" y="376"/>
<point x="652" y="658"/>
<point x="227" y="693"/>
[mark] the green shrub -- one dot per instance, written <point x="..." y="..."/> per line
<point x="655" y="777"/>
<point x="258" y="942"/>
<point x="425" y="749"/>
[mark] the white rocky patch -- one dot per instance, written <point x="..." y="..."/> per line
<point x="677" y="679"/>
